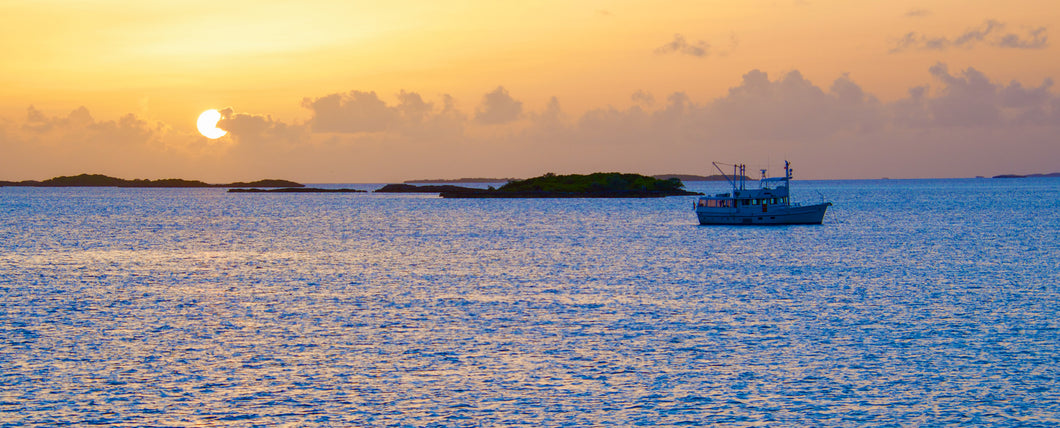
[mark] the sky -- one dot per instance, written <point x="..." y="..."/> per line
<point x="349" y="91"/>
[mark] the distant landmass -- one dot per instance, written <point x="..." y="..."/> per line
<point x="98" y="180"/>
<point x="598" y="185"/>
<point x="462" y="180"/>
<point x="682" y="177"/>
<point x="296" y="190"/>
<point x="1054" y="174"/>
<point x="410" y="188"/>
<point x="689" y="177"/>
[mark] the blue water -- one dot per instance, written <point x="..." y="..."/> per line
<point x="917" y="302"/>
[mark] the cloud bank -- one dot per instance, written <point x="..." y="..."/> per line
<point x="959" y="123"/>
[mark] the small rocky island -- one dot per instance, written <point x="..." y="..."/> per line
<point x="99" y="180"/>
<point x="597" y="185"/>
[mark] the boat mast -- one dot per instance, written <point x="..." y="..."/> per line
<point x="730" y="180"/>
<point x="787" y="179"/>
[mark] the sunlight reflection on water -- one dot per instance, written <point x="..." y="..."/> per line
<point x="920" y="301"/>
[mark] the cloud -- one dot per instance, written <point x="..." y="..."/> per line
<point x="991" y="33"/>
<point x="552" y="116"/>
<point x="79" y="125"/>
<point x="969" y="99"/>
<point x="959" y="122"/>
<point x="347" y="113"/>
<point x="642" y="98"/>
<point x="699" y="49"/>
<point x="79" y="118"/>
<point x="1036" y="39"/>
<point x="916" y="13"/>
<point x="260" y="129"/>
<point x="498" y="107"/>
<point x="43" y="146"/>
<point x="359" y="112"/>
<point x="793" y="107"/>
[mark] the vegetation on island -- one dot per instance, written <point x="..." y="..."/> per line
<point x="99" y="180"/>
<point x="597" y="185"/>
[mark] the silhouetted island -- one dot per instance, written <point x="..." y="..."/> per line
<point x="597" y="185"/>
<point x="410" y="188"/>
<point x="1053" y="174"/>
<point x="461" y="180"/>
<point x="296" y="190"/>
<point x="99" y="180"/>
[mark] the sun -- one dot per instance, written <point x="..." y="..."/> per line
<point x="208" y="124"/>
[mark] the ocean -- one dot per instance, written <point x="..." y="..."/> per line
<point x="917" y="302"/>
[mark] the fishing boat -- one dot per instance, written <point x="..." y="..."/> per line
<point x="769" y="204"/>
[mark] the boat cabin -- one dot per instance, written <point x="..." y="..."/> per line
<point x="763" y="196"/>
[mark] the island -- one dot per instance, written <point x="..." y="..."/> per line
<point x="460" y="180"/>
<point x="597" y="185"/>
<point x="410" y="188"/>
<point x="1049" y="175"/>
<point x="99" y="180"/>
<point x="296" y="190"/>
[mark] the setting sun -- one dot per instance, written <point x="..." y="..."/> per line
<point x="208" y="124"/>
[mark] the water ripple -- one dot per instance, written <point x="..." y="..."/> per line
<point x="922" y="302"/>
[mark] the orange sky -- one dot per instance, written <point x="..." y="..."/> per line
<point x="334" y="91"/>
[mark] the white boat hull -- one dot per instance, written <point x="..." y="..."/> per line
<point x="774" y="215"/>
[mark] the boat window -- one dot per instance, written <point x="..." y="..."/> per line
<point x="746" y="202"/>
